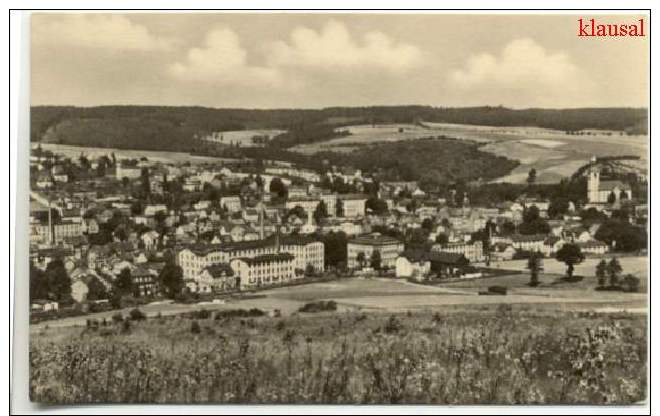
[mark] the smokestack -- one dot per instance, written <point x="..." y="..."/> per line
<point x="51" y="237"/>
<point x="261" y="222"/>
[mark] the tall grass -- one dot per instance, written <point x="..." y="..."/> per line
<point x="459" y="358"/>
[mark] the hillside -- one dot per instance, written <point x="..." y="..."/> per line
<point x="176" y="128"/>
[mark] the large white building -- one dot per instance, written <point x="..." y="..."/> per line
<point x="388" y="247"/>
<point x="265" y="270"/>
<point x="598" y="191"/>
<point x="306" y="252"/>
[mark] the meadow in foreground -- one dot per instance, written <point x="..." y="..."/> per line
<point x="493" y="355"/>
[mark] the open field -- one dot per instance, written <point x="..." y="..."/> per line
<point x="487" y="354"/>
<point x="242" y="137"/>
<point x="397" y="295"/>
<point x="554" y="154"/>
<point x="153" y="155"/>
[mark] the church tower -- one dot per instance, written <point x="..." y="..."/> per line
<point x="593" y="185"/>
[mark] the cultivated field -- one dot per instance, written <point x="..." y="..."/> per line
<point x="484" y="355"/>
<point x="552" y="153"/>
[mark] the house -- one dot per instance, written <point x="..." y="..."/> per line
<point x="413" y="264"/>
<point x="41" y="305"/>
<point x="533" y="242"/>
<point x="215" y="279"/>
<point x="389" y="248"/>
<point x="231" y="203"/>
<point x="150" y="240"/>
<point x="593" y="247"/>
<point x="192" y="184"/>
<point x="144" y="281"/>
<point x="502" y="252"/>
<point x="352" y="205"/>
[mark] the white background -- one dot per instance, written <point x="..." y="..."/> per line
<point x="15" y="121"/>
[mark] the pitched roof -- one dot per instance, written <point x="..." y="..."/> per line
<point x="610" y="185"/>
<point x="376" y="239"/>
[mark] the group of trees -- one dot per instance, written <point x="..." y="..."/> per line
<point x="53" y="284"/>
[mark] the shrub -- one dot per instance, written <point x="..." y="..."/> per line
<point x="195" y="328"/>
<point x="319" y="306"/>
<point x="118" y="317"/>
<point x="393" y="325"/>
<point x="126" y="327"/>
<point x="137" y="315"/>
<point x="631" y="283"/>
<point x="499" y="290"/>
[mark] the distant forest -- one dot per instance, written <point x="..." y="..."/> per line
<point x="179" y="128"/>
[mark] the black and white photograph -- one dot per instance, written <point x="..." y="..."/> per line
<point x="337" y="208"/>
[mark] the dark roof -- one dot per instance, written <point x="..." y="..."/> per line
<point x="268" y="258"/>
<point x="352" y="196"/>
<point x="376" y="239"/>
<point x="520" y="238"/>
<point x="416" y="255"/>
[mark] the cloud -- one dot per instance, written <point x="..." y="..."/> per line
<point x="107" y="31"/>
<point x="524" y="69"/>
<point x="333" y="48"/>
<point x="222" y="60"/>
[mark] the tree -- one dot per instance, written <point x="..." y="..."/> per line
<point x="360" y="258"/>
<point x="171" y="279"/>
<point x="614" y="270"/>
<point x="335" y="248"/>
<point x="535" y="266"/>
<point x="278" y="187"/>
<point x="611" y="198"/>
<point x="125" y="182"/>
<point x="442" y="239"/>
<point x="97" y="290"/>
<point x="58" y="281"/>
<point x="601" y="272"/>
<point x="533" y="223"/>
<point x="558" y="207"/>
<point x="377" y="206"/>
<point x="631" y="283"/>
<point x="531" y="176"/>
<point x="38" y="283"/>
<point x="376" y="260"/>
<point x="570" y="254"/>
<point x="123" y="284"/>
<point x="427" y="224"/>
<point x="320" y="212"/>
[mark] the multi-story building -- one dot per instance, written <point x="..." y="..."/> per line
<point x="41" y="234"/>
<point x="472" y="251"/>
<point x="232" y="203"/>
<point x="306" y="252"/>
<point x="125" y="171"/>
<point x="265" y="270"/>
<point x="388" y="247"/>
<point x="353" y="205"/>
<point x="214" y="279"/>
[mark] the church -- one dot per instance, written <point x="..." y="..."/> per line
<point x="598" y="192"/>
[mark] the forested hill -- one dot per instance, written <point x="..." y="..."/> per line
<point x="175" y="128"/>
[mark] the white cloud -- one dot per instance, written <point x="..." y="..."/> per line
<point x="524" y="69"/>
<point x="107" y="31"/>
<point x="333" y="48"/>
<point x="222" y="60"/>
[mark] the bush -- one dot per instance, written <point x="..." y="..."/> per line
<point x="393" y="325"/>
<point x="498" y="290"/>
<point x="239" y="313"/>
<point x="194" y="327"/>
<point x="137" y="315"/>
<point x="319" y="306"/>
<point x="631" y="283"/>
<point x="118" y="317"/>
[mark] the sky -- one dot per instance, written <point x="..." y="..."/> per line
<point x="303" y="60"/>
